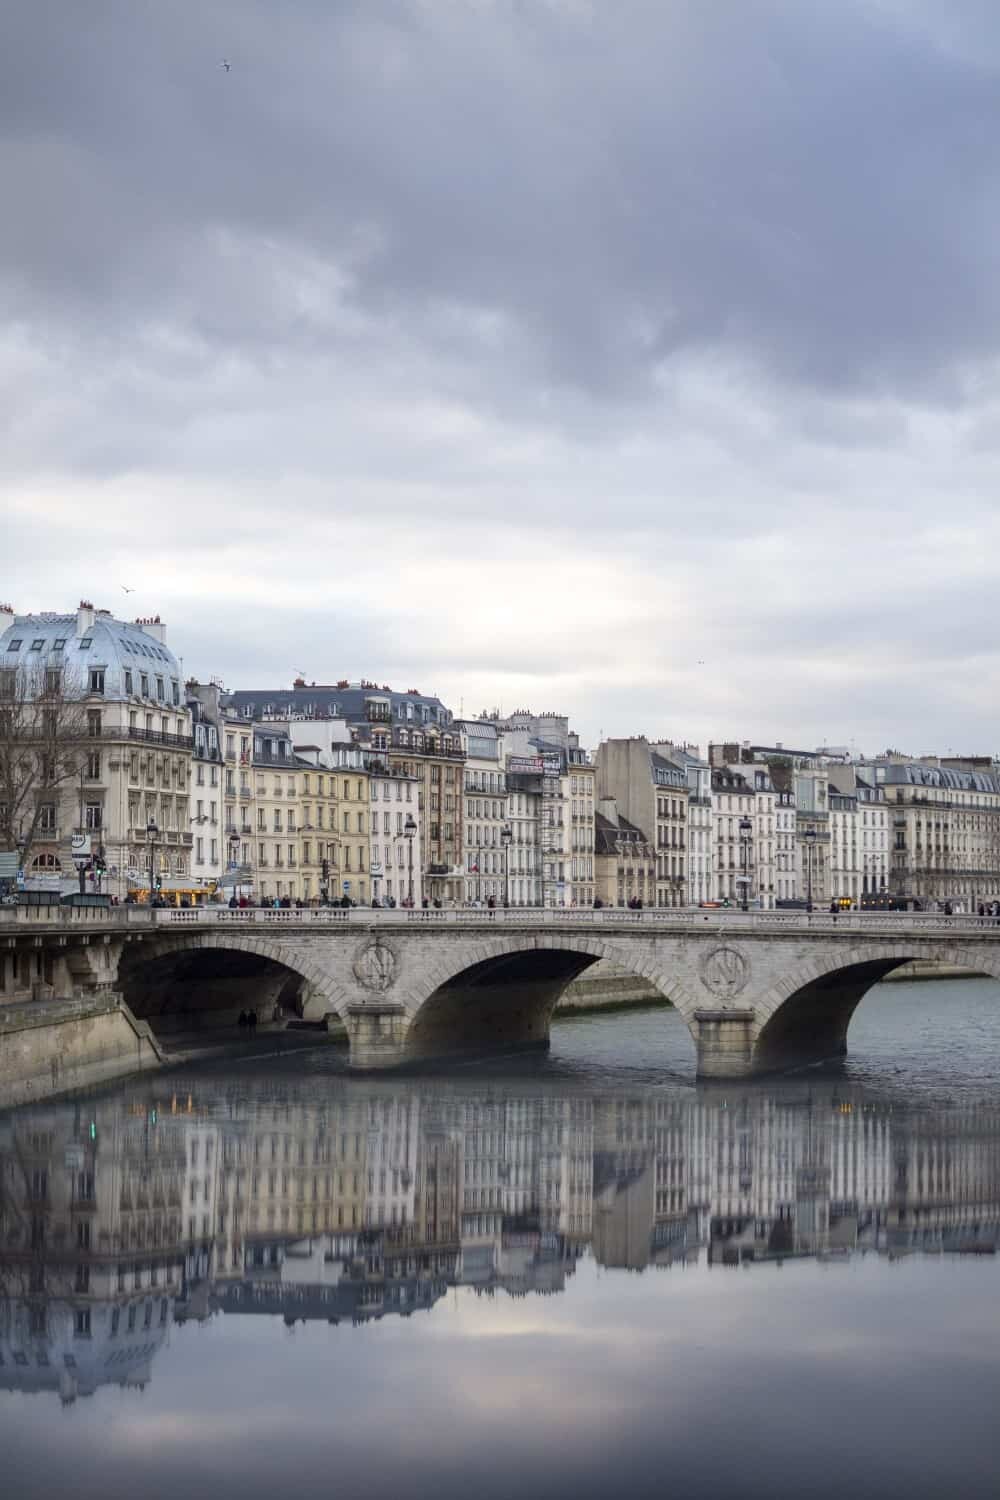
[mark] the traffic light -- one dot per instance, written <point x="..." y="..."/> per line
<point x="100" y="861"/>
<point x="92" y="1132"/>
<point x="326" y="869"/>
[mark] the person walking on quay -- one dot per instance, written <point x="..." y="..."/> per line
<point x="252" y="1022"/>
<point x="243" y="1022"/>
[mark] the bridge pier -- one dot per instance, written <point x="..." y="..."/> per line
<point x="376" y="1030"/>
<point x="725" y="1043"/>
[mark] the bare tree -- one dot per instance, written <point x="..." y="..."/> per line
<point x="44" y="742"/>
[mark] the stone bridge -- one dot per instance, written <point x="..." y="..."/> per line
<point x="759" y="992"/>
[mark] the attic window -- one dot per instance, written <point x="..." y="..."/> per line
<point x="86" y="643"/>
<point x="37" y="645"/>
<point x="58" y="645"/>
<point x="15" y="645"/>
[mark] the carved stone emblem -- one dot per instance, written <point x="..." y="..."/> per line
<point x="375" y="967"/>
<point x="725" y="972"/>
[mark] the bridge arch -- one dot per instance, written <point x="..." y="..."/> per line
<point x="501" y="992"/>
<point x="200" y="981"/>
<point x="806" y="1015"/>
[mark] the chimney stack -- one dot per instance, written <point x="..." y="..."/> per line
<point x="6" y="617"/>
<point x="84" y="617"/>
<point x="154" y="627"/>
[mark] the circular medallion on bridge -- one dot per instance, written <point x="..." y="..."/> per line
<point x="725" y="972"/>
<point x="375" y="967"/>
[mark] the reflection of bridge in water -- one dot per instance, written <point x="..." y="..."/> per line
<point x="758" y="991"/>
<point x="120" y="1217"/>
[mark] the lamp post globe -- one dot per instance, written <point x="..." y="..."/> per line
<point x="506" y="839"/>
<point x="152" y="834"/>
<point x="409" y="832"/>
<point x="746" y="838"/>
<point x="810" y="845"/>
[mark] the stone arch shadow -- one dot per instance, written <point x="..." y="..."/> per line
<point x="203" y="982"/>
<point x="501" y="993"/>
<point x="805" y="1017"/>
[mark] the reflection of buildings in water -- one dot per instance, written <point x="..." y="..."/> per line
<point x="91" y="1256"/>
<point x="118" y="1216"/>
<point x="342" y="1277"/>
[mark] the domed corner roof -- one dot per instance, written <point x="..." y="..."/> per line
<point x="115" y="645"/>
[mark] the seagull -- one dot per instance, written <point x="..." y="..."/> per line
<point x="127" y="590"/>
<point x="225" y="64"/>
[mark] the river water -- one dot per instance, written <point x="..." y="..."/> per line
<point x="580" y="1274"/>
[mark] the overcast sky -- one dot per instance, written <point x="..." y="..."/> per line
<point x="632" y="358"/>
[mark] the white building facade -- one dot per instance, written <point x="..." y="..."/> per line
<point x="395" y="831"/>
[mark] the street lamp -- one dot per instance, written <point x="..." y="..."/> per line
<point x="810" y="844"/>
<point x="506" y="839"/>
<point x="152" y="834"/>
<point x="409" y="831"/>
<point x="746" y="835"/>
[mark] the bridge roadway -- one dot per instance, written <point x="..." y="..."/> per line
<point x="759" y="991"/>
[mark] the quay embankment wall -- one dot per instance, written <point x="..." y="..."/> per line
<point x="51" y="1047"/>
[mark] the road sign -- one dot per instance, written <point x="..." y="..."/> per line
<point x="347" y="885"/>
<point x="19" y="877"/>
<point x="79" y="845"/>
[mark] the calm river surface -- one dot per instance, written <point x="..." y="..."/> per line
<point x="576" y="1275"/>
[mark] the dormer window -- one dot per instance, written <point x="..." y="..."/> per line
<point x="59" y="645"/>
<point x="15" y="645"/>
<point x="85" y="643"/>
<point x="37" y="645"/>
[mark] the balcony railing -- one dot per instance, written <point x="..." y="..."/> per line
<point x="145" y="736"/>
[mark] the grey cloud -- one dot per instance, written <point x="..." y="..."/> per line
<point x="811" y="188"/>
<point x="539" y="350"/>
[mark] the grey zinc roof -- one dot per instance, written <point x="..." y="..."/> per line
<point x="49" y="640"/>
<point x="340" y="703"/>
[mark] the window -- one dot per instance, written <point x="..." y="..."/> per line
<point x="81" y="1323"/>
<point x="144" y="684"/>
<point x="53" y="681"/>
<point x="92" y="815"/>
<point x="128" y="682"/>
<point x="159" y="689"/>
<point x="15" y="645"/>
<point x="94" y="723"/>
<point x="97" y="680"/>
<point x="86" y="643"/>
<point x="93" y="771"/>
<point x="47" y="817"/>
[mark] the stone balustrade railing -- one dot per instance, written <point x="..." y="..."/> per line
<point x="650" y="919"/>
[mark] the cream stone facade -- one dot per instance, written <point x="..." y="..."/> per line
<point x="944" y="828"/>
<point x="652" y="793"/>
<point x="116" y="688"/>
<point x="625" y="864"/>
